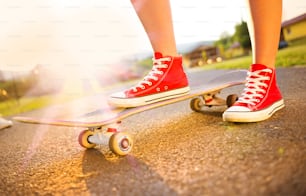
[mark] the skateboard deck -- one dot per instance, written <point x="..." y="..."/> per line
<point x="101" y="115"/>
<point x="108" y="114"/>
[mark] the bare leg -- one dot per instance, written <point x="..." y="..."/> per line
<point x="261" y="97"/>
<point x="264" y="28"/>
<point x="156" y="18"/>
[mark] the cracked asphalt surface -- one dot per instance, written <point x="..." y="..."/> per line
<point x="176" y="152"/>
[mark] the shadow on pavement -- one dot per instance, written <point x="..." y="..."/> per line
<point x="112" y="175"/>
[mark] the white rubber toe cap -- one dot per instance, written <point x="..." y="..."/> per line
<point x="120" y="95"/>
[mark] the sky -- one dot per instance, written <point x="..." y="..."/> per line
<point x="68" y="33"/>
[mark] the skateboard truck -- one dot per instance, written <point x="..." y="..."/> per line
<point x="211" y="99"/>
<point x="119" y="142"/>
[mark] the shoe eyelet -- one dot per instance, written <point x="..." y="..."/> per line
<point x="150" y="83"/>
<point x="157" y="89"/>
<point x="143" y="87"/>
<point x="166" y="87"/>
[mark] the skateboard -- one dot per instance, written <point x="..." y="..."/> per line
<point x="101" y="125"/>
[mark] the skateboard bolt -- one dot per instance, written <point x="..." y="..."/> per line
<point x="125" y="143"/>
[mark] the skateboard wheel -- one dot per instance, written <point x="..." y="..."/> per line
<point x="231" y="99"/>
<point x="195" y="104"/>
<point x="121" y="143"/>
<point x="83" y="139"/>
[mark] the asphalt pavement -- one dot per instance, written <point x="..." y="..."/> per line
<point x="176" y="152"/>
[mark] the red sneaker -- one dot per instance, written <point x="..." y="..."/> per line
<point x="261" y="97"/>
<point x="166" y="80"/>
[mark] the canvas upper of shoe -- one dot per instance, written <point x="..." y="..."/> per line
<point x="167" y="74"/>
<point x="166" y="80"/>
<point x="260" y="99"/>
<point x="260" y="90"/>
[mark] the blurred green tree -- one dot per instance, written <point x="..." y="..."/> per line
<point x="242" y="36"/>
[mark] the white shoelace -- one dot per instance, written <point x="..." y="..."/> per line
<point x="254" y="87"/>
<point x="158" y="64"/>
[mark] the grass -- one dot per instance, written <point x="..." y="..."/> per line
<point x="25" y="104"/>
<point x="287" y="57"/>
<point x="291" y="56"/>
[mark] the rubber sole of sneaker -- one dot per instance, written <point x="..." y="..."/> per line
<point x="145" y="100"/>
<point x="256" y="116"/>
